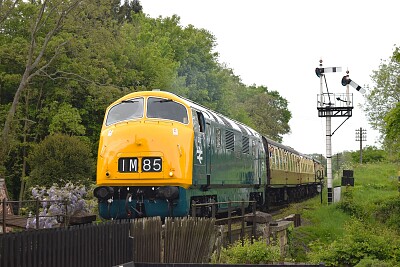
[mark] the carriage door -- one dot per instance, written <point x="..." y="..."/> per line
<point x="199" y="149"/>
<point x="268" y="160"/>
<point x="208" y="153"/>
<point x="259" y="162"/>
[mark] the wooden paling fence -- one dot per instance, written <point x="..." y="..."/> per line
<point x="110" y="244"/>
<point x="146" y="233"/>
<point x="181" y="239"/>
<point x="188" y="240"/>
<point x="106" y="244"/>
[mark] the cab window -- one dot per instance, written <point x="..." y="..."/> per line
<point x="162" y="108"/>
<point x="125" y="110"/>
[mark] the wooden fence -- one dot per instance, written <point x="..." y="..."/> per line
<point x="106" y="244"/>
<point x="111" y="244"/>
<point x="179" y="240"/>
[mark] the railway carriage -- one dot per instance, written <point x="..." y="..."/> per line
<point x="158" y="152"/>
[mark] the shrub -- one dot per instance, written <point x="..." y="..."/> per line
<point x="349" y="206"/>
<point x="360" y="241"/>
<point x="368" y="262"/>
<point x="388" y="212"/>
<point x="67" y="200"/>
<point x="248" y="253"/>
<point x="60" y="159"/>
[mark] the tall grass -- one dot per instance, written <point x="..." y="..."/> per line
<point x="365" y="205"/>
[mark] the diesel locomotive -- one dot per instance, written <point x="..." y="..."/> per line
<point x="159" y="152"/>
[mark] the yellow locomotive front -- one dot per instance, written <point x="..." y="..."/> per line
<point x="145" y="154"/>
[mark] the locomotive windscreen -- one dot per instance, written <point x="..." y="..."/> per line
<point x="166" y="109"/>
<point x="126" y="110"/>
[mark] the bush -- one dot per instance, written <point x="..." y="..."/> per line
<point x="388" y="212"/>
<point x="367" y="262"/>
<point x="360" y="241"/>
<point x="60" y="159"/>
<point x="349" y="206"/>
<point x="370" y="154"/>
<point x="248" y="253"/>
<point x="67" y="201"/>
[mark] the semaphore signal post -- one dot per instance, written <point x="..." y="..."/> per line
<point x="331" y="105"/>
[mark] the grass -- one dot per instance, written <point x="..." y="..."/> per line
<point x="322" y="223"/>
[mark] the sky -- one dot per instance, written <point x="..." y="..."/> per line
<point x="278" y="44"/>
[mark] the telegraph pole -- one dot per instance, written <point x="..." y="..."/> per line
<point x="361" y="135"/>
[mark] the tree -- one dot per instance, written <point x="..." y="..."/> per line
<point x="392" y="131"/>
<point x="382" y="102"/>
<point x="60" y="159"/>
<point x="67" y="121"/>
<point x="370" y="154"/>
<point x="6" y="8"/>
<point x="269" y="112"/>
<point x="386" y="92"/>
<point x="47" y="21"/>
<point x="74" y="65"/>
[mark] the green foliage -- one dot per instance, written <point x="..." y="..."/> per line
<point x="388" y="212"/>
<point x="60" y="159"/>
<point x="266" y="109"/>
<point x="386" y="91"/>
<point x="392" y="130"/>
<point x="361" y="228"/>
<point x="362" y="240"/>
<point x="349" y="206"/>
<point x="370" y="154"/>
<point x="102" y="50"/>
<point x="67" y="121"/>
<point x="248" y="253"/>
<point x="367" y="262"/>
<point x="382" y="102"/>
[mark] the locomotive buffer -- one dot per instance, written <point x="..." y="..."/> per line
<point x="333" y="105"/>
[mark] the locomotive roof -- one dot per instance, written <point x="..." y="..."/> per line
<point x="213" y="116"/>
<point x="219" y="118"/>
<point x="287" y="148"/>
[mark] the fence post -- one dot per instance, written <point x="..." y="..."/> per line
<point x="243" y="215"/>
<point x="66" y="223"/>
<point x="254" y="221"/>
<point x="4" y="215"/>
<point x="37" y="213"/>
<point x="213" y="208"/>
<point x="193" y="209"/>
<point x="229" y="222"/>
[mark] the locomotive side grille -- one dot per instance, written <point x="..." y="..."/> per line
<point x="245" y="145"/>
<point x="230" y="140"/>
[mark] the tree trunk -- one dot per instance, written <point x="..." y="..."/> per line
<point x="5" y="144"/>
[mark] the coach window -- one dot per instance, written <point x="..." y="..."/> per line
<point x="125" y="110"/>
<point x="163" y="108"/>
<point x="279" y="159"/>
<point x="272" y="155"/>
